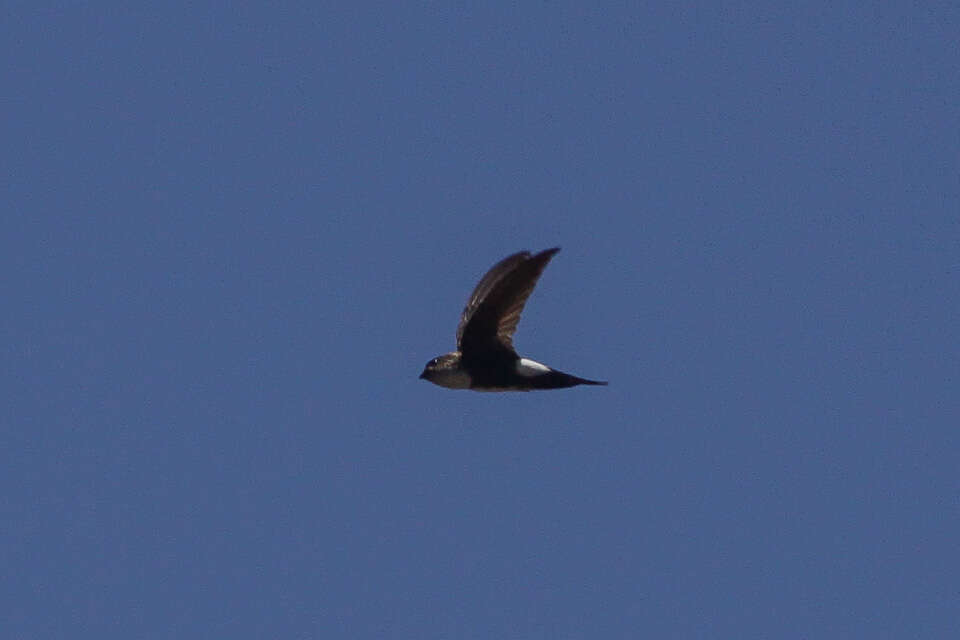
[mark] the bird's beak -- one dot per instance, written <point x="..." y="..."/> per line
<point x="423" y="376"/>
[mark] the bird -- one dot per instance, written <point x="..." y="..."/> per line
<point x="485" y="359"/>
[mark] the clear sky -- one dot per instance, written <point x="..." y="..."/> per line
<point x="234" y="233"/>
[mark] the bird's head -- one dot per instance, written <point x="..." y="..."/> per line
<point x="446" y="371"/>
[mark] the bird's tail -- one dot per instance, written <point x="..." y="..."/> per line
<point x="561" y="380"/>
<point x="596" y="382"/>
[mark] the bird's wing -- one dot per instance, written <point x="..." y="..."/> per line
<point x="494" y="307"/>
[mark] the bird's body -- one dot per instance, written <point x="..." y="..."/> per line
<point x="485" y="359"/>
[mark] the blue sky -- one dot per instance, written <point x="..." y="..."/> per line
<point x="234" y="235"/>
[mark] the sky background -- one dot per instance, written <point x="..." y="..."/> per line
<point x="233" y="235"/>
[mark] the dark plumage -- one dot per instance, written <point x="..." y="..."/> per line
<point x="485" y="358"/>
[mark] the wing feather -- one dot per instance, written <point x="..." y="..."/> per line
<point x="496" y="304"/>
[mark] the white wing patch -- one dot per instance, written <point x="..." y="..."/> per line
<point x="530" y="368"/>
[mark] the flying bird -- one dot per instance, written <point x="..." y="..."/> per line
<point x="485" y="359"/>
